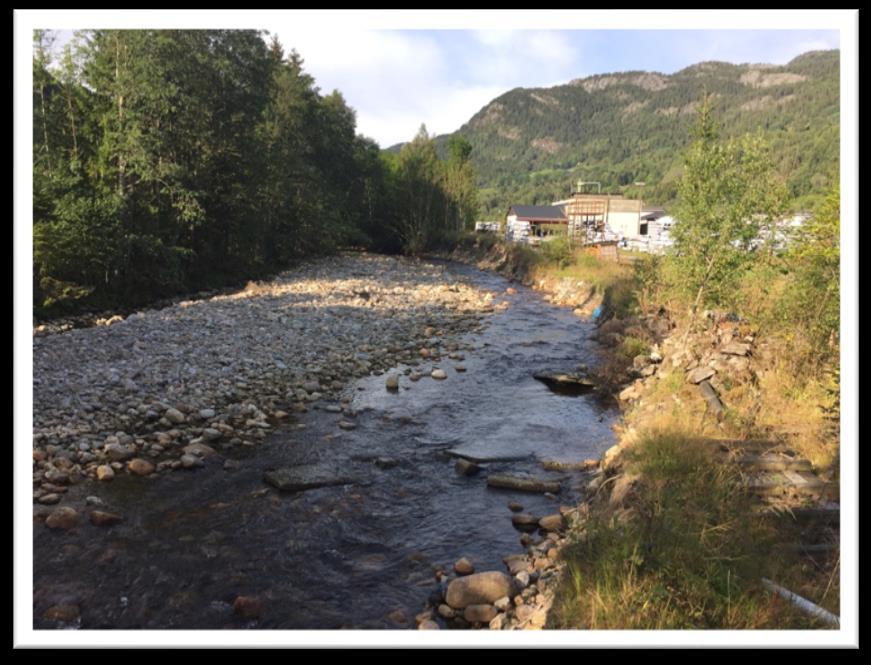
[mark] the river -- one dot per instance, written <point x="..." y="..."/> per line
<point x="360" y="555"/>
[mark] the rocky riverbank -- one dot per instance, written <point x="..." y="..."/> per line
<point x="161" y="389"/>
<point x="648" y="367"/>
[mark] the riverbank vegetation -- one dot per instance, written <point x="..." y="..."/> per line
<point x="683" y="547"/>
<point x="171" y="161"/>
<point x="690" y="551"/>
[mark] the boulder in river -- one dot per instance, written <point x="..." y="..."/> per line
<point x="565" y="381"/>
<point x="305" y="477"/>
<point x="479" y="589"/>
<point x="551" y="522"/>
<point x="140" y="467"/>
<point x="247" y="607"/>
<point x="103" y="518"/>
<point x="62" y="517"/>
<point x="524" y="521"/>
<point x="523" y="484"/>
<point x="466" y="468"/>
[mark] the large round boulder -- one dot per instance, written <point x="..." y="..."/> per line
<point x="479" y="589"/>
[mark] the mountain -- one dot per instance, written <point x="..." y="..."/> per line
<point x="530" y="144"/>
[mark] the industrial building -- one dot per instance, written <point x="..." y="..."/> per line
<point x="586" y="218"/>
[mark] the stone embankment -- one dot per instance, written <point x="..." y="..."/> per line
<point x="163" y="389"/>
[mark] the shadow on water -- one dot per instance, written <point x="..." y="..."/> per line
<point x="345" y="556"/>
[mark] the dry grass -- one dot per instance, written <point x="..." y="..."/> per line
<point x="689" y="553"/>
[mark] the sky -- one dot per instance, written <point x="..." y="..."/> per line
<point x="397" y="80"/>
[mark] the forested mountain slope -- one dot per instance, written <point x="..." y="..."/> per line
<point x="619" y="129"/>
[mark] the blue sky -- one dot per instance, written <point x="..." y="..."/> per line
<point x="398" y="79"/>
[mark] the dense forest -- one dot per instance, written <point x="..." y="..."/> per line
<point x="169" y="161"/>
<point x="529" y="145"/>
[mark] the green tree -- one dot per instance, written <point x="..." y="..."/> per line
<point x="420" y="197"/>
<point x="460" y="185"/>
<point x="727" y="196"/>
<point x="813" y="297"/>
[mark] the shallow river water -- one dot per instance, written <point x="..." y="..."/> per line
<point x="353" y="556"/>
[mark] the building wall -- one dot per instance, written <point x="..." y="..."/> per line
<point x="626" y="223"/>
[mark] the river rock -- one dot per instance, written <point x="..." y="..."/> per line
<point x="57" y="476"/>
<point x="392" y="383"/>
<point x="119" y="453"/>
<point x="174" y="416"/>
<point x="524" y="520"/>
<point x="439" y="374"/>
<point x="398" y="617"/>
<point x="305" y="477"/>
<point x="517" y="563"/>
<point x="497" y="622"/>
<point x="347" y="425"/>
<point x="189" y="461"/>
<point x="611" y="456"/>
<point x="479" y="589"/>
<point x="446" y="611"/>
<point x="62" y="613"/>
<point x="480" y="613"/>
<point x="102" y="518"/>
<point x="49" y="499"/>
<point x="464" y="567"/>
<point x="199" y="449"/>
<point x="465" y="467"/>
<point x="428" y="624"/>
<point x="551" y="523"/>
<point x="247" y="607"/>
<point x="523" y="484"/>
<point x="140" y="467"/>
<point x="522" y="579"/>
<point x="62" y="517"/>
<point x="386" y="463"/>
<point x="515" y="507"/>
<point x="524" y="612"/>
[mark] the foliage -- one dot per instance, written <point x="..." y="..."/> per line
<point x="813" y="297"/>
<point x="558" y="252"/>
<point x="174" y="160"/>
<point x="727" y="197"/>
